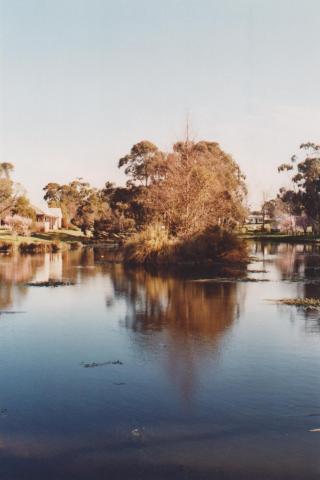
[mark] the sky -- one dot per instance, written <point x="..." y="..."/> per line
<point x="81" y="81"/>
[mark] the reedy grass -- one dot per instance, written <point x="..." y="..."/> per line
<point x="300" y="302"/>
<point x="155" y="245"/>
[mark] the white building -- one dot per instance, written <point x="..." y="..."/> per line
<point x="49" y="218"/>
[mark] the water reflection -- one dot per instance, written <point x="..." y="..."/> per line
<point x="248" y="377"/>
<point x="293" y="261"/>
<point x="299" y="264"/>
<point x="16" y="270"/>
<point x="191" y="318"/>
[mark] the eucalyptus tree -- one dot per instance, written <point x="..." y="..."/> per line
<point x="304" y="194"/>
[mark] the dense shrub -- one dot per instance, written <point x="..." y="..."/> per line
<point x="155" y="245"/>
<point x="152" y="245"/>
<point x="19" y="225"/>
<point x="104" y="228"/>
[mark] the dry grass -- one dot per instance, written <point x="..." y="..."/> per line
<point x="155" y="245"/>
<point x="301" y="302"/>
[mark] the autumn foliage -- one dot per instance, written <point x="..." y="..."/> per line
<point x="193" y="199"/>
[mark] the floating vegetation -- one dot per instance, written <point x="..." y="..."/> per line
<point x="10" y="312"/>
<point x="257" y="271"/>
<point x="229" y="280"/>
<point x="51" y="283"/>
<point x="102" y="364"/>
<point x="308" y="303"/>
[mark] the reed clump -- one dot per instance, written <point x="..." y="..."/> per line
<point x="301" y="302"/>
<point x="152" y="245"/>
<point x="155" y="245"/>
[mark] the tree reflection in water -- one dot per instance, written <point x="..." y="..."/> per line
<point x="191" y="318"/>
<point x="298" y="263"/>
<point x="17" y="269"/>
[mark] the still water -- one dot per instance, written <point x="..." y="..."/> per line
<point x="190" y="378"/>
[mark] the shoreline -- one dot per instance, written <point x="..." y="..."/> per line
<point x="280" y="238"/>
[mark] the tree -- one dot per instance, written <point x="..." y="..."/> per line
<point x="304" y="196"/>
<point x="203" y="187"/>
<point x="126" y="209"/>
<point x="144" y="164"/>
<point x="9" y="190"/>
<point x="23" y="208"/>
<point x="66" y="197"/>
<point x="80" y="203"/>
<point x="92" y="207"/>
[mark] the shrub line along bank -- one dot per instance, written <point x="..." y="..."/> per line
<point x="37" y="247"/>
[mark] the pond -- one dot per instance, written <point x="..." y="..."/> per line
<point x="131" y="374"/>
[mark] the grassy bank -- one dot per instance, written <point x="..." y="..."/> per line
<point x="40" y="242"/>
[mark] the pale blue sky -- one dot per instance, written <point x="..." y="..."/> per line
<point x="82" y="80"/>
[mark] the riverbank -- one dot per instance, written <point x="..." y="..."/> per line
<point x="279" y="237"/>
<point x="41" y="242"/>
<point x="155" y="246"/>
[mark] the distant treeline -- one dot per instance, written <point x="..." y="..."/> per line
<point x="171" y="198"/>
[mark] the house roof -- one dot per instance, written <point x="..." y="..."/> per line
<point x="49" y="212"/>
<point x="38" y="210"/>
<point x="55" y="211"/>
